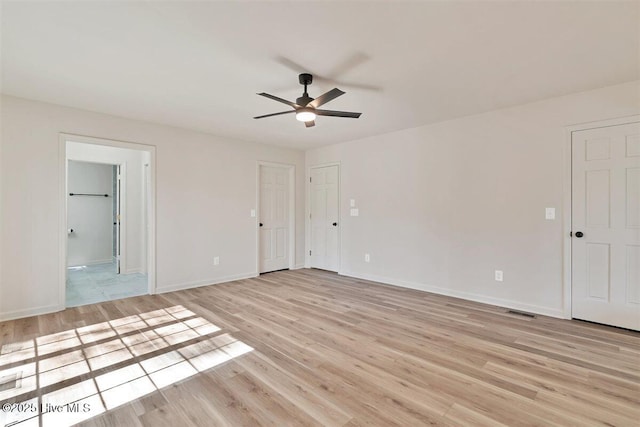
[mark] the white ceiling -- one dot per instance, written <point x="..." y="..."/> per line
<point x="199" y="65"/>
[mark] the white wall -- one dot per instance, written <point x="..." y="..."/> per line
<point x="206" y="188"/>
<point x="90" y="217"/>
<point x="133" y="221"/>
<point x="457" y="200"/>
<point x="442" y="206"/>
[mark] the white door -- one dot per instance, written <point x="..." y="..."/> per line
<point x="274" y="218"/>
<point x="606" y="225"/>
<point x="325" y="218"/>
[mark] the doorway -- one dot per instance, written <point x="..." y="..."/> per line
<point x="109" y="220"/>
<point x="605" y="218"/>
<point x="276" y="217"/>
<point x="324" y="217"/>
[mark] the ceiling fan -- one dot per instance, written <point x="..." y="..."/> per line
<point x="306" y="108"/>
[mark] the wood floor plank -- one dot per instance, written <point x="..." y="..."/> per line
<point x="312" y="348"/>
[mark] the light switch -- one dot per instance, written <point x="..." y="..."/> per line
<point x="253" y="213"/>
<point x="352" y="203"/>
<point x="550" y="213"/>
<point x="354" y="212"/>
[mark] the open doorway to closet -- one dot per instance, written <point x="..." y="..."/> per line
<point x="108" y="218"/>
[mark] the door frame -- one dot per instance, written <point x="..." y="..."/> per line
<point x="567" y="198"/>
<point x="307" y="257"/>
<point x="63" y="138"/>
<point x="292" y="210"/>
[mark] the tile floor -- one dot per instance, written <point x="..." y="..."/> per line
<point x="89" y="284"/>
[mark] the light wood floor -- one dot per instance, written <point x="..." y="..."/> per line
<point x="313" y="348"/>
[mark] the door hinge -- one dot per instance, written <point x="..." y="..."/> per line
<point x="309" y="252"/>
<point x="309" y="179"/>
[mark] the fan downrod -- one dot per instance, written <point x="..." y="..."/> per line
<point x="305" y="79"/>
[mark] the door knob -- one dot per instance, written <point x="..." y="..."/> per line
<point x="579" y="234"/>
<point x="261" y="224"/>
<point x="335" y="224"/>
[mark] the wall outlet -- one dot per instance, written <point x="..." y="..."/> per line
<point x="550" y="213"/>
<point x="498" y="276"/>
<point x="367" y="258"/>
<point x="354" y="212"/>
<point x="352" y="203"/>
<point x="253" y="213"/>
<point x="216" y="260"/>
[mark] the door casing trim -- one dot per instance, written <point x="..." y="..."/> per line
<point x="63" y="138"/>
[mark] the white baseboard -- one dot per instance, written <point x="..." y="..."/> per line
<point x="133" y="270"/>
<point x="18" y="314"/>
<point x="298" y="266"/>
<point x="516" y="305"/>
<point x="205" y="282"/>
<point x="94" y="262"/>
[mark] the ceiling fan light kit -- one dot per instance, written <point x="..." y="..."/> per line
<point x="306" y="108"/>
<point x="305" y="115"/>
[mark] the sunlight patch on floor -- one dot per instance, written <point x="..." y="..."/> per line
<point x="150" y="345"/>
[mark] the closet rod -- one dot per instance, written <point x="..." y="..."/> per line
<point x="85" y="194"/>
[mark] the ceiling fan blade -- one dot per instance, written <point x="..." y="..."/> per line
<point x="348" y="64"/>
<point x="355" y="86"/>
<point x="334" y="77"/>
<point x="275" y="114"/>
<point x="326" y="97"/>
<point x="310" y="124"/>
<point x="284" y="101"/>
<point x="337" y="113"/>
<point x="292" y="65"/>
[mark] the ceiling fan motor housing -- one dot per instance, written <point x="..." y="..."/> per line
<point x="305" y="79"/>
<point x="304" y="100"/>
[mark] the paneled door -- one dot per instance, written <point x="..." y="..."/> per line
<point x="606" y="225"/>
<point x="325" y="217"/>
<point x="274" y="218"/>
